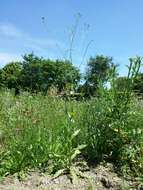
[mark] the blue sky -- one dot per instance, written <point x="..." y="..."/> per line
<point x="115" y="26"/>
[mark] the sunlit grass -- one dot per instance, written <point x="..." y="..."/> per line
<point x="51" y="133"/>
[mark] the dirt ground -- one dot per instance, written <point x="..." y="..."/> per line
<point x="102" y="177"/>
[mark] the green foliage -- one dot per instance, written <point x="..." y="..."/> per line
<point x="9" y="75"/>
<point x="97" y="70"/>
<point x="42" y="135"/>
<point x="50" y="133"/>
<point x="138" y="85"/>
<point x="31" y="75"/>
<point x="61" y="74"/>
<point x="135" y="84"/>
<point x="109" y="124"/>
<point x="121" y="83"/>
<point x="37" y="74"/>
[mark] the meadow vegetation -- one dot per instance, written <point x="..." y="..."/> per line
<point x="51" y="133"/>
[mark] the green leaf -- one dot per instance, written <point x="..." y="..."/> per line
<point x="75" y="134"/>
<point x="80" y="147"/>
<point x="77" y="152"/>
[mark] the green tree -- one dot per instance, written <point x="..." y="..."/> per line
<point x="97" y="71"/>
<point x="40" y="74"/>
<point x="31" y="75"/>
<point x="9" y="75"/>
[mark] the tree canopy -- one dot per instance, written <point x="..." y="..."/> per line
<point x="97" y="72"/>
<point x="38" y="74"/>
<point x="9" y="75"/>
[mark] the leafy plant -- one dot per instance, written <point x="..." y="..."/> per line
<point x="107" y="127"/>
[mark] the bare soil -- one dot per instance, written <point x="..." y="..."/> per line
<point x="103" y="177"/>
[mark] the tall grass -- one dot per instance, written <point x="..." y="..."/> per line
<point x="37" y="131"/>
<point x="112" y="124"/>
<point x="46" y="132"/>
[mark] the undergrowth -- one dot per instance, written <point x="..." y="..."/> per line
<point x="51" y="133"/>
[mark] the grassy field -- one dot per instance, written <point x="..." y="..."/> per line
<point x="54" y="134"/>
<point x="47" y="132"/>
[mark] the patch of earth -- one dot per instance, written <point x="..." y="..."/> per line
<point x="102" y="177"/>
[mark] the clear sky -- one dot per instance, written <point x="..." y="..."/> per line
<point x="116" y="28"/>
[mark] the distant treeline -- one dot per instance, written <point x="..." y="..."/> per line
<point x="36" y="74"/>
